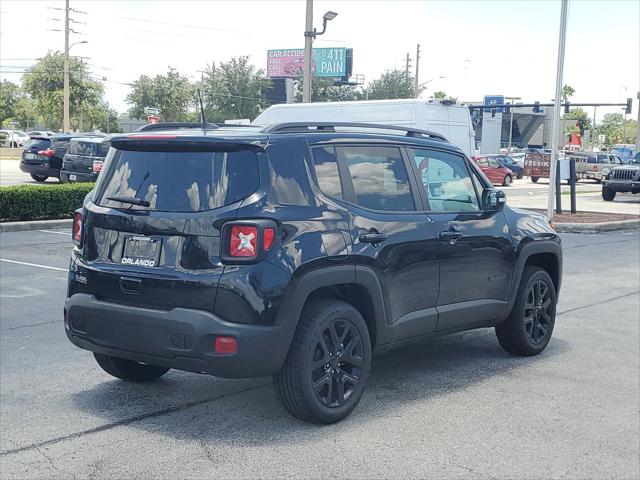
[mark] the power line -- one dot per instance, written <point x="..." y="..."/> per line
<point x="185" y="25"/>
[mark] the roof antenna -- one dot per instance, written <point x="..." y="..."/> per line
<point x="204" y="121"/>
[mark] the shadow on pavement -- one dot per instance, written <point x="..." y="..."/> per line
<point x="249" y="413"/>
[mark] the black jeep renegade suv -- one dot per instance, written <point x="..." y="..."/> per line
<point x="299" y="251"/>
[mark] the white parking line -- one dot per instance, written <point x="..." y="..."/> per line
<point x="55" y="231"/>
<point x="34" y="265"/>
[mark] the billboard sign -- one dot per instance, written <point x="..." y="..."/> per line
<point x="327" y="62"/>
<point x="494" y="100"/>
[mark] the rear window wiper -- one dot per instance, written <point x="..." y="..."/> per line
<point x="131" y="200"/>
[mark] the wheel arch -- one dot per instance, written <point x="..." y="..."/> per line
<point x="356" y="285"/>
<point x="545" y="253"/>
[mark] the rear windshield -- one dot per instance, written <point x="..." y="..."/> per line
<point x="178" y="181"/>
<point x="78" y="147"/>
<point x="37" y="143"/>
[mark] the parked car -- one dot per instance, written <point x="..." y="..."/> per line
<point x="621" y="179"/>
<point x="518" y="158"/>
<point x="299" y="251"/>
<point x="13" y="138"/>
<point x="36" y="158"/>
<point x="84" y="158"/>
<point x="511" y="164"/>
<point x="495" y="171"/>
<point x="40" y="133"/>
<point x="595" y="166"/>
<point x="442" y="116"/>
<point x="47" y="162"/>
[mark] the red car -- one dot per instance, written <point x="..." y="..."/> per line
<point x="494" y="170"/>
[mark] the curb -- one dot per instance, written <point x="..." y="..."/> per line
<point x="35" y="225"/>
<point x="597" y="227"/>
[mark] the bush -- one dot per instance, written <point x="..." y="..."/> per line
<point x="40" y="202"/>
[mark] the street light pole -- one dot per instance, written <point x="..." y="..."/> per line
<point x="556" y="108"/>
<point x="66" y="123"/>
<point x="308" y="45"/>
<point x="417" y="86"/>
<point x="310" y="34"/>
<point x="511" y="99"/>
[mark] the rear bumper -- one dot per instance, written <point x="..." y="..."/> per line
<point x="626" y="186"/>
<point x="43" y="169"/>
<point x="180" y="338"/>
<point x="79" y="177"/>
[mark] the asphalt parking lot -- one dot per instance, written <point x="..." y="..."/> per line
<point x="456" y="406"/>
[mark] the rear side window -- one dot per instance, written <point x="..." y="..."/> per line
<point x="103" y="149"/>
<point x="326" y="167"/>
<point x="78" y="147"/>
<point x="178" y="181"/>
<point x="379" y="178"/>
<point x="37" y="144"/>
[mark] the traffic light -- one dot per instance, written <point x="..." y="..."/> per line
<point x="536" y="107"/>
<point x="566" y="107"/>
<point x="627" y="109"/>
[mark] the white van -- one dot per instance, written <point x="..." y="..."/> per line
<point x="451" y="120"/>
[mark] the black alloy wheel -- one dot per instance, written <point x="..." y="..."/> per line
<point x="537" y="311"/>
<point x="337" y="361"/>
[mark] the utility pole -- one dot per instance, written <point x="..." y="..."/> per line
<point x="556" y="109"/>
<point x="308" y="61"/>
<point x="66" y="123"/>
<point x="511" y="99"/>
<point x="406" y="67"/>
<point x="417" y="85"/>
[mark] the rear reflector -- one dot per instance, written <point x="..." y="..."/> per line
<point x="225" y="344"/>
<point x="243" y="241"/>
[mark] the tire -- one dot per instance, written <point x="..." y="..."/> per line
<point x="309" y="383"/>
<point x="514" y="333"/>
<point x="507" y="181"/>
<point x="534" y="179"/>
<point x="39" y="178"/>
<point x="598" y="180"/>
<point x="129" y="370"/>
<point x="607" y="194"/>
<point x="520" y="175"/>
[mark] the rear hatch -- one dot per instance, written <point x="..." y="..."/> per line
<point x="85" y="156"/>
<point x="31" y="149"/>
<point x="165" y="251"/>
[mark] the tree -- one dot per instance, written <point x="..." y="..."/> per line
<point x="392" y="85"/>
<point x="567" y="92"/>
<point x="44" y="83"/>
<point x="613" y="128"/>
<point x="439" y="94"/>
<point x="173" y="94"/>
<point x="235" y="89"/>
<point x="102" y="117"/>
<point x="9" y="96"/>
<point x="324" y="89"/>
<point x="581" y="116"/>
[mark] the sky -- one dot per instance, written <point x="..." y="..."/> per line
<point x="479" y="47"/>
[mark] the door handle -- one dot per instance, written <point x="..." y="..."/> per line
<point x="372" y="237"/>
<point x="450" y="236"/>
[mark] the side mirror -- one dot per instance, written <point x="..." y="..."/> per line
<point x="493" y="200"/>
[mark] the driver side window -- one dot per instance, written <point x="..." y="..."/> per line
<point x="446" y="181"/>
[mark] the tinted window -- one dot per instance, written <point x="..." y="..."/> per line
<point x="326" y="166"/>
<point x="37" y="144"/>
<point x="446" y="181"/>
<point x="79" y="147"/>
<point x="178" y="181"/>
<point x="103" y="149"/>
<point x="493" y="163"/>
<point x="379" y="178"/>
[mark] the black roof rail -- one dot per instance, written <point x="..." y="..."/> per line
<point x="306" y="127"/>
<point x="175" y="126"/>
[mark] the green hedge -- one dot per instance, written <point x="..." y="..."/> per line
<point x="40" y="202"/>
